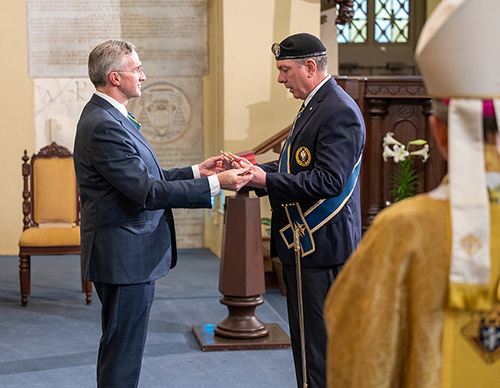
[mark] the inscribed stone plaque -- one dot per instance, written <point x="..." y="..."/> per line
<point x="61" y="34"/>
<point x="170" y="35"/>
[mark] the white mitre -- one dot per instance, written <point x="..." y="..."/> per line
<point x="459" y="59"/>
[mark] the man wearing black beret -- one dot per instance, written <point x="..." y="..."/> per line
<point x="314" y="186"/>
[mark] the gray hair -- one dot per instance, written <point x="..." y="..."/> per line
<point x="321" y="62"/>
<point x="107" y="57"/>
<point x="440" y="110"/>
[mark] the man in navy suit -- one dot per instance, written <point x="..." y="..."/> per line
<point x="127" y="229"/>
<point x="313" y="185"/>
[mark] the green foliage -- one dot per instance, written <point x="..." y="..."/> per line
<point x="417" y="142"/>
<point x="405" y="181"/>
<point x="266" y="221"/>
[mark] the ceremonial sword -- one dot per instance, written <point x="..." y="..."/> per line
<point x="298" y="231"/>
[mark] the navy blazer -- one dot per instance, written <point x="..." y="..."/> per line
<point x="332" y="129"/>
<point x="127" y="233"/>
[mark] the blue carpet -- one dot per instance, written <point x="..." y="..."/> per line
<point x="53" y="341"/>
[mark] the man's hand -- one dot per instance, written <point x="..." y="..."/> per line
<point x="235" y="161"/>
<point x="259" y="177"/>
<point x="234" y="179"/>
<point x="212" y="166"/>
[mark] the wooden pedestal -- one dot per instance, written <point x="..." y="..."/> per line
<point x="241" y="282"/>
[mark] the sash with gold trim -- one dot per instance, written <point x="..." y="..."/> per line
<point x="283" y="164"/>
<point x="317" y="215"/>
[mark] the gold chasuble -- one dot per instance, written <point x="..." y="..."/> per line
<point x="387" y="314"/>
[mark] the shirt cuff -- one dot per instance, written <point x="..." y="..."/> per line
<point x="214" y="185"/>
<point x="196" y="171"/>
<point x="213" y="181"/>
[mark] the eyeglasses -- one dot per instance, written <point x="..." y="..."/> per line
<point x="137" y="70"/>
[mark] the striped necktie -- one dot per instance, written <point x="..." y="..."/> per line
<point x="285" y="154"/>
<point x="133" y="120"/>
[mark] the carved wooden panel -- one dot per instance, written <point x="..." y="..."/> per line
<point x="392" y="104"/>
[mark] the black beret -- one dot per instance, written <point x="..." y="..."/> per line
<point x="298" y="46"/>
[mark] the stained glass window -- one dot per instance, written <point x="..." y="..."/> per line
<point x="356" y="30"/>
<point x="391" y="21"/>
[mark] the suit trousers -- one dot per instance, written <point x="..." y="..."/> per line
<point x="124" y="318"/>
<point x="315" y="285"/>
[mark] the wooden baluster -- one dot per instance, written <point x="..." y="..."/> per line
<point x="372" y="160"/>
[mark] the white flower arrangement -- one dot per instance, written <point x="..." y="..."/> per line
<point x="406" y="182"/>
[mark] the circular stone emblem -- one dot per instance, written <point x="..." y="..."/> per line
<point x="164" y="112"/>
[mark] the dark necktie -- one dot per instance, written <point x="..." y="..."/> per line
<point x="133" y="120"/>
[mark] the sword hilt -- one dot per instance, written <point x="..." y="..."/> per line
<point x="298" y="231"/>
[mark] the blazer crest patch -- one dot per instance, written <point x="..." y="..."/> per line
<point x="303" y="156"/>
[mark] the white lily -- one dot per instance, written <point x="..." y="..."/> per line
<point x="388" y="153"/>
<point x="400" y="153"/>
<point x="423" y="152"/>
<point x="405" y="179"/>
<point x="390" y="140"/>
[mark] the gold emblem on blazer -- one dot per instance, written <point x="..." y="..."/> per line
<point x="303" y="156"/>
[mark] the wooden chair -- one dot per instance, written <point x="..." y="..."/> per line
<point x="51" y="208"/>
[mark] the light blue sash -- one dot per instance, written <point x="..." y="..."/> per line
<point x="285" y="155"/>
<point x="317" y="215"/>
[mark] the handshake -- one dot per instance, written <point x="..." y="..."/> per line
<point x="233" y="172"/>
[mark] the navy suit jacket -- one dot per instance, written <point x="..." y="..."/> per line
<point x="127" y="231"/>
<point x="332" y="128"/>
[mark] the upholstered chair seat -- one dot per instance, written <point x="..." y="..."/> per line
<point x="51" y="209"/>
